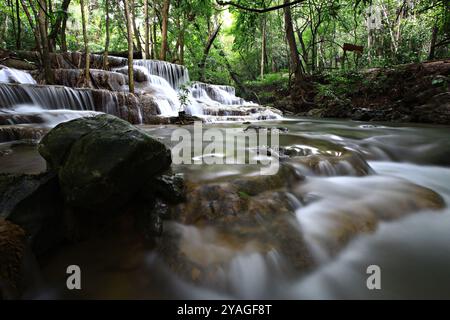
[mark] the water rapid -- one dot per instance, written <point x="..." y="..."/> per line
<point x="370" y="195"/>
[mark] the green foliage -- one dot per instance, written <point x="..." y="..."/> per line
<point x="340" y="83"/>
<point x="279" y="79"/>
<point x="183" y="95"/>
<point x="323" y="26"/>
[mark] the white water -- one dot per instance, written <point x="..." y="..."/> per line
<point x="166" y="82"/>
<point x="176" y="75"/>
<point x="45" y="117"/>
<point x="9" y="75"/>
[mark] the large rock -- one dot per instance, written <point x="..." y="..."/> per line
<point x="34" y="203"/>
<point x="102" y="161"/>
<point x="12" y="247"/>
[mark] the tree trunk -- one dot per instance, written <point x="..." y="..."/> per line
<point x="233" y="74"/>
<point x="433" y="42"/>
<point x="105" y="53"/>
<point x="86" y="44"/>
<point x="135" y="28"/>
<point x="304" y="50"/>
<point x="10" y="4"/>
<point x="19" y="27"/>
<point x="263" y="47"/>
<point x="130" y="46"/>
<point x="63" y="35"/>
<point x="369" y="47"/>
<point x="165" y="21"/>
<point x="182" y="46"/>
<point x="32" y="26"/>
<point x="146" y="31"/>
<point x="290" y="36"/>
<point x="58" y="25"/>
<point x="45" y="57"/>
<point x="209" y="43"/>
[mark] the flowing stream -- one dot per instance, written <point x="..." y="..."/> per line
<point x="368" y="194"/>
<point x="348" y="220"/>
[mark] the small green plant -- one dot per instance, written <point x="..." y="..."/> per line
<point x="183" y="95"/>
<point x="243" y="195"/>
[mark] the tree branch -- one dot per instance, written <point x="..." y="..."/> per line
<point x="239" y="6"/>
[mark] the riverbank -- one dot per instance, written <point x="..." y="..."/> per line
<point x="417" y="92"/>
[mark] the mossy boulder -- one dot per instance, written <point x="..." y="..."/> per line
<point x="102" y="161"/>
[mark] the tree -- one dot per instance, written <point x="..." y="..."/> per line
<point x="130" y="45"/>
<point x="19" y="26"/>
<point x="87" y="56"/>
<point x="107" y="37"/>
<point x="146" y="31"/>
<point x="59" y="25"/>
<point x="212" y="36"/>
<point x="165" y="21"/>
<point x="290" y="37"/>
<point x="45" y="52"/>
<point x="135" y="28"/>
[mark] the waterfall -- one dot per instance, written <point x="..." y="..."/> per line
<point x="47" y="97"/>
<point x="164" y="94"/>
<point x="10" y="75"/>
<point x="166" y="83"/>
<point x="25" y="114"/>
<point x="218" y="93"/>
<point x="176" y="75"/>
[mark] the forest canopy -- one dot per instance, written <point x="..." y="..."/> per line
<point x="239" y="40"/>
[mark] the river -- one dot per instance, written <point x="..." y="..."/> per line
<point x="411" y="246"/>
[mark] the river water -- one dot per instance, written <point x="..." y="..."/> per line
<point x="410" y="245"/>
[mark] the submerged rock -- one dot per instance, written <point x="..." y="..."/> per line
<point x="16" y="132"/>
<point x="102" y="161"/>
<point x="220" y="221"/>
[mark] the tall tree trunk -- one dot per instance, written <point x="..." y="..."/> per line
<point x="154" y="43"/>
<point x="105" y="53"/>
<point x="181" y="54"/>
<point x="135" y="28"/>
<point x="165" y="21"/>
<point x="45" y="57"/>
<point x="60" y="23"/>
<point x="146" y="31"/>
<point x="290" y="36"/>
<point x="63" y="34"/>
<point x="130" y="46"/>
<point x="304" y="50"/>
<point x="232" y="73"/>
<point x="10" y="4"/>
<point x="37" y="38"/>
<point x="369" y="47"/>
<point x="433" y="42"/>
<point x="263" y="47"/>
<point x="86" y="44"/>
<point x="19" y="27"/>
<point x="209" y="43"/>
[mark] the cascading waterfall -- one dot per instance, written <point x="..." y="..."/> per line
<point x="47" y="97"/>
<point x="167" y="81"/>
<point x="10" y="75"/>
<point x="163" y="92"/>
<point x="23" y="101"/>
<point x="216" y="93"/>
<point x="176" y="75"/>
